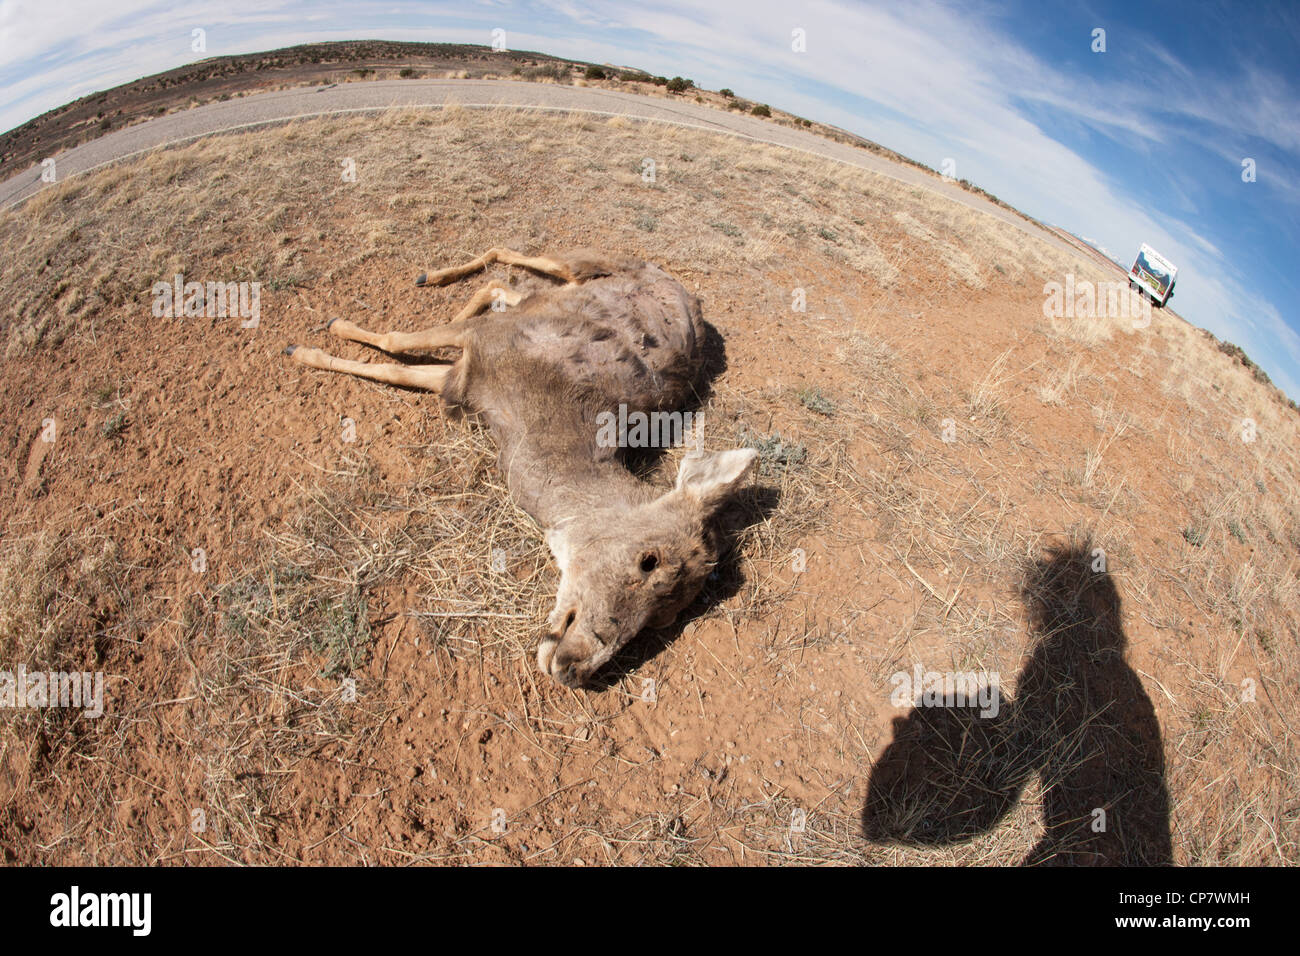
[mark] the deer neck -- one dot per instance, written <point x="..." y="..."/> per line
<point x="548" y="437"/>
<point x="555" y="489"/>
<point x="550" y="451"/>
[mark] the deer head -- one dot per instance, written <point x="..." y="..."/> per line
<point x="628" y="567"/>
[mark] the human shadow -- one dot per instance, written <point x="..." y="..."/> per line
<point x="1080" y="719"/>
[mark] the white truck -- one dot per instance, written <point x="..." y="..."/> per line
<point x="1153" y="274"/>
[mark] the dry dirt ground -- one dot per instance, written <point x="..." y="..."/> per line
<point x="355" y="536"/>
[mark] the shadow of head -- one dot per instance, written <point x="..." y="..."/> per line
<point x="948" y="775"/>
<point x="1080" y="719"/>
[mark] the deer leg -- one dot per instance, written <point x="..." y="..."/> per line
<point x="544" y="264"/>
<point x="489" y="294"/>
<point x="429" y="377"/>
<point x="443" y="336"/>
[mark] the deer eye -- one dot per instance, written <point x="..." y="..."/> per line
<point x="649" y="561"/>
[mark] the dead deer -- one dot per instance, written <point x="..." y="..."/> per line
<point x="617" y="331"/>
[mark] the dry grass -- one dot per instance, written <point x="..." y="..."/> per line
<point x="75" y="265"/>
<point x="1059" y="385"/>
<point x="920" y="545"/>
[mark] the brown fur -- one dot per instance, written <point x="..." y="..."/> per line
<point x="620" y="331"/>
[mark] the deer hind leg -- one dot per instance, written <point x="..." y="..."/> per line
<point x="556" y="268"/>
<point x="431" y="377"/>
<point x="451" y="335"/>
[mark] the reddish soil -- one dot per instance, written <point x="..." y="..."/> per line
<point x="772" y="699"/>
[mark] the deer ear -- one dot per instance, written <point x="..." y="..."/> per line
<point x="711" y="477"/>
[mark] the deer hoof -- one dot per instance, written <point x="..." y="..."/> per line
<point x="421" y="279"/>
<point x="330" y="323"/>
<point x="289" y="349"/>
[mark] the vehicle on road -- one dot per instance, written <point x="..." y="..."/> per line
<point x="1153" y="274"/>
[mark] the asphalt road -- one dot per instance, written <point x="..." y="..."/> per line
<point x="283" y="105"/>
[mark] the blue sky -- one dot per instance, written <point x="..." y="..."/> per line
<point x="1141" y="143"/>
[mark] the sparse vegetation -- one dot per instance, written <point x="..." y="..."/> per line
<point x="1238" y="354"/>
<point x="101" y="394"/>
<point x="396" y="561"/>
<point x="547" y="71"/>
<point x="814" y="400"/>
<point x="775" y="454"/>
<point x="114" y="425"/>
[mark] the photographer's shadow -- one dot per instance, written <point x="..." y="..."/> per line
<point x="1080" y="719"/>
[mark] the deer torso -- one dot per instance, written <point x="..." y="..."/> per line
<point x="620" y="336"/>
<point x="541" y="373"/>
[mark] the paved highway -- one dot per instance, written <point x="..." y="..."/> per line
<point x="282" y="105"/>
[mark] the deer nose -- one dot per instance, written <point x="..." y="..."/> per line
<point x="567" y="674"/>
<point x="567" y="666"/>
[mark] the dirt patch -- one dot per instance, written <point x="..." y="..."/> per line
<point x="315" y="607"/>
